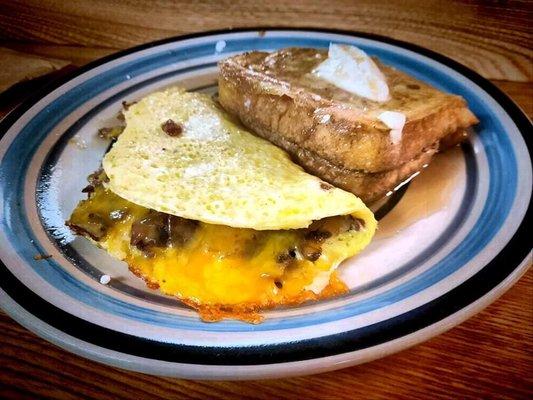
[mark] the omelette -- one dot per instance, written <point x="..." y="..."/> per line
<point x="209" y="213"/>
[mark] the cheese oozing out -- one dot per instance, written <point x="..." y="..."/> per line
<point x="351" y="69"/>
<point x="216" y="267"/>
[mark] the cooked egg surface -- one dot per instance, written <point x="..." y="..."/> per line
<point x="219" y="270"/>
<point x="182" y="155"/>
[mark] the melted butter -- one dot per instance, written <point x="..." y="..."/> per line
<point x="428" y="193"/>
<point x="295" y="66"/>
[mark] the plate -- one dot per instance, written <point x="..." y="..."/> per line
<point x="450" y="242"/>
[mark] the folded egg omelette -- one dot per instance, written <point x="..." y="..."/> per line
<point x="207" y="212"/>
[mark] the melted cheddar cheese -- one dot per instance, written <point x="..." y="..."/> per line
<point x="221" y="271"/>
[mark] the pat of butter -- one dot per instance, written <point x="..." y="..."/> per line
<point x="351" y="69"/>
<point x="395" y="121"/>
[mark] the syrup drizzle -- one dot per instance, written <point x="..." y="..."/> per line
<point x="428" y="193"/>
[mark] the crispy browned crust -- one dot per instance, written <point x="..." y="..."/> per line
<point x="268" y="94"/>
<point x="249" y="312"/>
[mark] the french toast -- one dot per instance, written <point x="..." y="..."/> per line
<point x="370" y="186"/>
<point x="328" y="130"/>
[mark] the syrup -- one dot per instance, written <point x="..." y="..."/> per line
<point x="428" y="193"/>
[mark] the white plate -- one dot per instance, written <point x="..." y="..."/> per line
<point x="450" y="243"/>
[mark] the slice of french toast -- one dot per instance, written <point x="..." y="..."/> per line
<point x="278" y="96"/>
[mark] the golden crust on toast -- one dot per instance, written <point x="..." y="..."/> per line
<point x="276" y="94"/>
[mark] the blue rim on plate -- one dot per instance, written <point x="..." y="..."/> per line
<point x="437" y="293"/>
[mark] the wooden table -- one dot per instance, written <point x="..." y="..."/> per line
<point x="489" y="356"/>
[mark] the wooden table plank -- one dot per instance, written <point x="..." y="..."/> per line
<point x="492" y="37"/>
<point x="76" y="55"/>
<point x="521" y="93"/>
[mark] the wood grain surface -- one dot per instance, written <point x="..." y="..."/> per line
<point x="488" y="356"/>
<point x="493" y="37"/>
